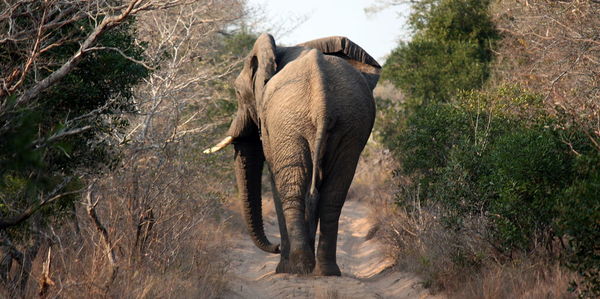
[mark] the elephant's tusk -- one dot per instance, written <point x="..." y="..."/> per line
<point x="219" y="146"/>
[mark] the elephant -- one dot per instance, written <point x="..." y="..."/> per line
<point x="307" y="111"/>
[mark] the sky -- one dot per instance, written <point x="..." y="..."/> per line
<point x="378" y="33"/>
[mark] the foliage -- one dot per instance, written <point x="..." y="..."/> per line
<point x="537" y="52"/>
<point x="501" y="157"/>
<point x="239" y="42"/>
<point x="474" y="156"/>
<point x="235" y="44"/>
<point x="579" y="211"/>
<point x="450" y="50"/>
<point x="145" y="99"/>
<point x="93" y="96"/>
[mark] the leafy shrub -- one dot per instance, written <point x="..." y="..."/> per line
<point x="579" y="219"/>
<point x="101" y="83"/>
<point x="528" y="168"/>
<point x="499" y="155"/>
<point x="502" y="157"/>
<point x="450" y="50"/>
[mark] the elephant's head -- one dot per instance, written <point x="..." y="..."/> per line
<point x="259" y="67"/>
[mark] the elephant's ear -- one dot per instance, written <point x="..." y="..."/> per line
<point x="262" y="63"/>
<point x="343" y="47"/>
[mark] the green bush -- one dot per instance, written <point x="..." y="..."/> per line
<point x="450" y="50"/>
<point x="528" y="168"/>
<point x="103" y="81"/>
<point x="499" y="155"/>
<point x="496" y="153"/>
<point x="579" y="220"/>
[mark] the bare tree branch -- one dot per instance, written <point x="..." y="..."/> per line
<point x="51" y="198"/>
<point x="107" y="23"/>
<point x="108" y="246"/>
<point x="60" y="135"/>
<point x="45" y="281"/>
<point x="124" y="56"/>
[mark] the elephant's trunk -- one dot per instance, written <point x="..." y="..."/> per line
<point x="249" y="160"/>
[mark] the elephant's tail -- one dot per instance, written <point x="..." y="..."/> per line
<point x="317" y="172"/>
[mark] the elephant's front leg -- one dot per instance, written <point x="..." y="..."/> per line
<point x="291" y="181"/>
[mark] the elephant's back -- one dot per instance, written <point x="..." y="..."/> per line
<point x="313" y="94"/>
<point x="321" y="88"/>
<point x="349" y="97"/>
<point x="294" y="98"/>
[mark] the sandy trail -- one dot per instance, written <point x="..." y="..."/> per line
<point x="365" y="272"/>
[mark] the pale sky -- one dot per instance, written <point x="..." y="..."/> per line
<point x="377" y="33"/>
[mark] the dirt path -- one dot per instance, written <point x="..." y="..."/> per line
<point x="365" y="272"/>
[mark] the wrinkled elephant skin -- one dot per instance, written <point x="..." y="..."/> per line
<point x="307" y="112"/>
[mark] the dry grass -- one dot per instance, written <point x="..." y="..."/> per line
<point x="373" y="180"/>
<point x="328" y="293"/>
<point x="156" y="225"/>
<point x="419" y="243"/>
<point x="523" y="280"/>
<point x="167" y="235"/>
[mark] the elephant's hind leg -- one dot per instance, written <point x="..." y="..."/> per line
<point x="337" y="180"/>
<point x="291" y="181"/>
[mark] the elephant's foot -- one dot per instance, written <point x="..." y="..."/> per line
<point x="283" y="266"/>
<point x="327" y="269"/>
<point x="300" y="262"/>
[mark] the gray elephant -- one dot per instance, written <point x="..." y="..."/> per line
<point x="307" y="111"/>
